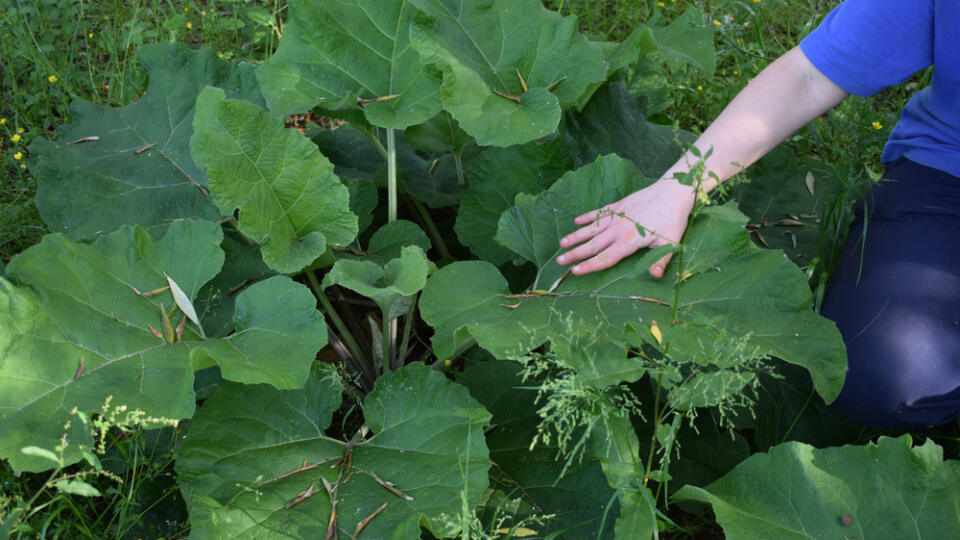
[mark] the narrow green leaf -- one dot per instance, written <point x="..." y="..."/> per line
<point x="36" y="451"/>
<point x="76" y="487"/>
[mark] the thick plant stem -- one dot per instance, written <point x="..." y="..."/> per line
<point x="432" y="229"/>
<point x="407" y="324"/>
<point x="389" y="330"/>
<point x="391" y="175"/>
<point x="337" y="322"/>
<point x="371" y="134"/>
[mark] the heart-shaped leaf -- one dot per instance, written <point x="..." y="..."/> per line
<point x="337" y="53"/>
<point x="289" y="199"/>
<point x="509" y="66"/>
<point x="139" y="169"/>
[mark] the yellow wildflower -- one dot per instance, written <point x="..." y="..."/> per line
<point x="717" y="23"/>
<point x="23" y="165"/>
<point x="447" y="362"/>
<point x="3" y="121"/>
<point x="877" y="125"/>
<point x="18" y="156"/>
<point x="189" y="26"/>
<point x="186" y="9"/>
<point x="203" y="13"/>
<point x="699" y="88"/>
<point x="15" y="137"/>
<point x="90" y="35"/>
<point x="19" y="130"/>
<point x="52" y="79"/>
<point x="660" y="4"/>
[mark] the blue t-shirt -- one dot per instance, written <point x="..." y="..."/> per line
<point x="865" y="46"/>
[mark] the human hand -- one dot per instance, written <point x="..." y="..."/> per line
<point x="609" y="234"/>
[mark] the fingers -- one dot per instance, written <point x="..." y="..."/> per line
<point x="657" y="268"/>
<point x="594" y="215"/>
<point x="610" y="256"/>
<point x="595" y="246"/>
<point x="590" y="225"/>
<point x="605" y="249"/>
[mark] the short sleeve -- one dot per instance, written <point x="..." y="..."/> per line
<point x="865" y="46"/>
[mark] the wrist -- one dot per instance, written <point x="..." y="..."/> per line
<point x="678" y="190"/>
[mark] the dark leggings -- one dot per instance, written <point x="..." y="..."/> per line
<point x="901" y="321"/>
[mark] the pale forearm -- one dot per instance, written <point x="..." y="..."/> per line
<point x="784" y="97"/>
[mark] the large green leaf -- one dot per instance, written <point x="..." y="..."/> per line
<point x="483" y="46"/>
<point x="793" y="412"/>
<point x="132" y="165"/>
<point x="530" y="482"/>
<point x="882" y="490"/>
<point x="439" y="135"/>
<point x="432" y="181"/>
<point x="241" y="481"/>
<point x="388" y="242"/>
<point x="289" y="199"/>
<point x="731" y="288"/>
<point x="494" y="178"/>
<point x="243" y="265"/>
<point x="339" y="52"/>
<point x="76" y="328"/>
<point x="688" y="39"/>
<point x="613" y="123"/>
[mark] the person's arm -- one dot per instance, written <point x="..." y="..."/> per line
<point x="785" y="96"/>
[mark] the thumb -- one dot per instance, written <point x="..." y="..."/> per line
<point x="656" y="269"/>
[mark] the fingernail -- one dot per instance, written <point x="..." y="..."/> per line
<point x="575" y="269"/>
<point x="561" y="260"/>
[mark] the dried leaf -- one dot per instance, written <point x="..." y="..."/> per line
<point x="809" y="181"/>
<point x="183" y="302"/>
<point x="655" y="331"/>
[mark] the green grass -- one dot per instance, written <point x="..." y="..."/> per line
<point x="55" y="51"/>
